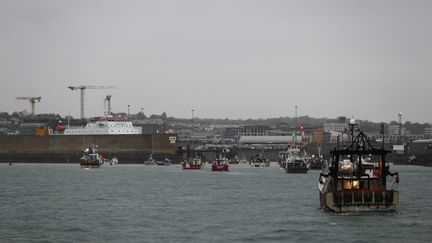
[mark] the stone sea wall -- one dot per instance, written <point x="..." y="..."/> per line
<point x="58" y="149"/>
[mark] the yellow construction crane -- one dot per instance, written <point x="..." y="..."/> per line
<point x="32" y="101"/>
<point x="84" y="87"/>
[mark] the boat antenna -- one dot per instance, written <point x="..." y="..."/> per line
<point x="352" y="125"/>
<point x="400" y="127"/>
<point x="295" y="124"/>
<point x="382" y="132"/>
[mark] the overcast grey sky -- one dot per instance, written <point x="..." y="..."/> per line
<point x="224" y="59"/>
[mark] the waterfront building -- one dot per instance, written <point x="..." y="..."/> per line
<point x="267" y="135"/>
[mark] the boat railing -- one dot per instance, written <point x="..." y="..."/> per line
<point x="363" y="197"/>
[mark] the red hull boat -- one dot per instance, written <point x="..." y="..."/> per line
<point x="192" y="164"/>
<point x="220" y="164"/>
<point x="216" y="167"/>
<point x="187" y="166"/>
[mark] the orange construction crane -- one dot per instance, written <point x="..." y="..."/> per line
<point x="82" y="88"/>
<point x="32" y="101"/>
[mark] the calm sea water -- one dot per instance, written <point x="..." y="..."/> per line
<point x="137" y="203"/>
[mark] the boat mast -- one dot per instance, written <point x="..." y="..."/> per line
<point x="352" y="125"/>
<point x="400" y="127"/>
<point x="295" y="124"/>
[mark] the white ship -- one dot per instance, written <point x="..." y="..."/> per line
<point x="106" y="126"/>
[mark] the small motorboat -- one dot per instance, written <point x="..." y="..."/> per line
<point x="234" y="160"/>
<point x="150" y="160"/>
<point x="165" y="162"/>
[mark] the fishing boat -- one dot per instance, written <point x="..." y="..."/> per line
<point x="296" y="165"/>
<point x="353" y="183"/>
<point x="194" y="163"/>
<point x="165" y="162"/>
<point x="259" y="160"/>
<point x="112" y="161"/>
<point x="220" y="164"/>
<point x="293" y="160"/>
<point x="316" y="163"/>
<point x="91" y="158"/>
<point x="234" y="160"/>
<point x="150" y="160"/>
<point x="243" y="160"/>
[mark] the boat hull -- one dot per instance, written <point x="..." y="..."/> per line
<point x="260" y="164"/>
<point x="296" y="170"/>
<point x="223" y="167"/>
<point x="360" y="201"/>
<point x="90" y="164"/>
<point x="315" y="167"/>
<point x="192" y="167"/>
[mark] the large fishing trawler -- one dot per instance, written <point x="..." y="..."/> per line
<point x="353" y="183"/>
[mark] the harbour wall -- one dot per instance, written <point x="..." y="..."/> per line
<point x="137" y="149"/>
<point x="58" y="149"/>
<point x="422" y="152"/>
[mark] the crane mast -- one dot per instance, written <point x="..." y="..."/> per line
<point x="32" y="101"/>
<point x="82" y="89"/>
<point x="107" y="102"/>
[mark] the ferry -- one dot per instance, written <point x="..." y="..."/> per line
<point x="353" y="184"/>
<point x="109" y="125"/>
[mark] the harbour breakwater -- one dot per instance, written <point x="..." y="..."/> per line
<point x="415" y="154"/>
<point x="69" y="149"/>
<point x="137" y="149"/>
